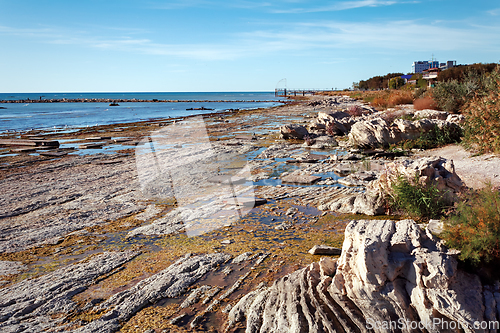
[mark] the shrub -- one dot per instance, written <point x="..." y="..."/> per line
<point x="397" y="113"/>
<point x="482" y="126"/>
<point x="450" y="96"/>
<point x="380" y="102"/>
<point x="355" y="110"/>
<point x="436" y="137"/>
<point x="423" y="103"/>
<point x="453" y="95"/>
<point x="332" y="129"/>
<point x="418" y="200"/>
<point x="393" y="98"/>
<point x="420" y="92"/>
<point x="396" y="83"/>
<point x="459" y="72"/>
<point x="475" y="227"/>
<point x="398" y="97"/>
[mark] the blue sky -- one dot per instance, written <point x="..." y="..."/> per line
<point x="237" y="45"/>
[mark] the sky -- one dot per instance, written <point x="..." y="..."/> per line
<point x="236" y="45"/>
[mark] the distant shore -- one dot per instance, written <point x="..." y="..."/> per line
<point x="113" y="100"/>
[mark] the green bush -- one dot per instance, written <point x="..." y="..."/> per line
<point x="437" y="137"/>
<point x="450" y="96"/>
<point x="460" y="72"/>
<point x="396" y="83"/>
<point x="420" y="92"/>
<point x="475" y="227"/>
<point x="417" y="200"/>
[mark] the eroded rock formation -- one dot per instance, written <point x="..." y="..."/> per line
<point x="390" y="277"/>
<point x="378" y="132"/>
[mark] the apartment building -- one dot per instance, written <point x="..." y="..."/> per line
<point x="420" y="66"/>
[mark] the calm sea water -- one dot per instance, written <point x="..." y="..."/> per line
<point x="26" y="116"/>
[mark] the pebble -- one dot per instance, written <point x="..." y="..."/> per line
<point x="291" y="211"/>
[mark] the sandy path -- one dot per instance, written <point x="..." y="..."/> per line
<point x="475" y="171"/>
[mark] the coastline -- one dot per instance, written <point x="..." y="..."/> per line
<point x="60" y="210"/>
<point x="133" y="100"/>
<point x="18" y="116"/>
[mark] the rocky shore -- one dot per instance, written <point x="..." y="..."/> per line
<point x="205" y="224"/>
<point x="124" y="100"/>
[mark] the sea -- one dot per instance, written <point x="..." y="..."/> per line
<point x="19" y="117"/>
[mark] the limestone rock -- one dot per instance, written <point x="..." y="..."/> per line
<point x="316" y="126"/>
<point x="458" y="119"/>
<point x="326" y="117"/>
<point x="388" y="271"/>
<point x="326" y="141"/>
<point x="32" y="305"/>
<point x="325" y="250"/>
<point x="431" y="114"/>
<point x="300" y="179"/>
<point x="293" y="131"/>
<point x="11" y="267"/>
<point x="439" y="171"/>
<point x="378" y="132"/>
<point x="369" y="203"/>
<point x="394" y="269"/>
<point x="435" y="226"/>
<point x="170" y="282"/>
<point x="372" y="133"/>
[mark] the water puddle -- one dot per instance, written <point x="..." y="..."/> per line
<point x="7" y="155"/>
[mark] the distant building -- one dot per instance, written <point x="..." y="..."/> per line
<point x="448" y="64"/>
<point x="420" y="66"/>
<point x="406" y="77"/>
<point x="431" y="75"/>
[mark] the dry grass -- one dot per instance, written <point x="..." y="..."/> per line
<point x="399" y="97"/>
<point x="383" y="99"/>
<point x="425" y="103"/>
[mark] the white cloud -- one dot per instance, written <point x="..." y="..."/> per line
<point x="297" y="39"/>
<point x="394" y="35"/>
<point x="179" y="4"/>
<point x="33" y="32"/>
<point x="280" y="6"/>
<point x="338" y="6"/>
<point x="494" y="12"/>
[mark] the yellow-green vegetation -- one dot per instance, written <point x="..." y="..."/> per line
<point x="154" y="317"/>
<point x="418" y="200"/>
<point x="474" y="229"/>
<point x="437" y="137"/>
